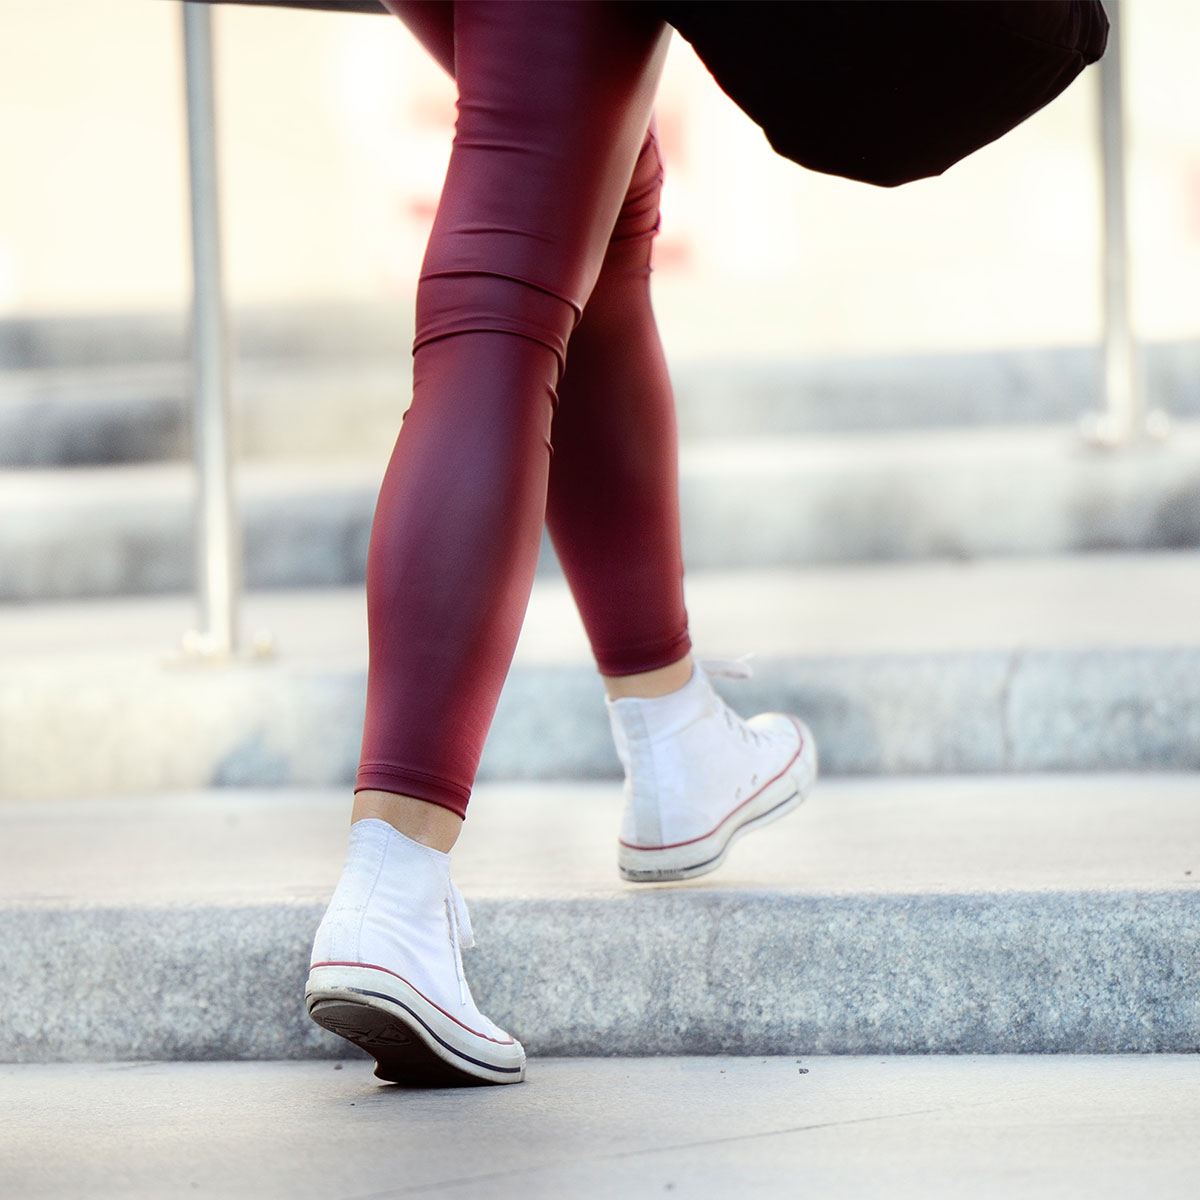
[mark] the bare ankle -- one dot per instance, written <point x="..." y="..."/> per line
<point x="649" y="684"/>
<point x="430" y="824"/>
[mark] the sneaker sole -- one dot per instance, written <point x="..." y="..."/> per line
<point x="667" y="864"/>
<point x="412" y="1040"/>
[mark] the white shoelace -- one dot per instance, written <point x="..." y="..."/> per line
<point x="732" y="668"/>
<point x="461" y="936"/>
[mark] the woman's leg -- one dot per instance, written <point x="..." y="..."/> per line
<point x="613" y="504"/>
<point x="554" y="102"/>
<point x="613" y="508"/>
<point x="696" y="774"/>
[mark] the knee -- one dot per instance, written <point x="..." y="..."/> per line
<point x="477" y="302"/>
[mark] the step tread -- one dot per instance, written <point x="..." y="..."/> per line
<point x="1027" y="914"/>
<point x="553" y="842"/>
<point x="766" y="502"/>
<point x="1057" y="602"/>
<point x="860" y="451"/>
<point x="704" y="1128"/>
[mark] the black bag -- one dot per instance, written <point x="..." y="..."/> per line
<point x="888" y="91"/>
<point x="882" y="91"/>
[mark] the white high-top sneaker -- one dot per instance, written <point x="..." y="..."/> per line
<point x="387" y="970"/>
<point x="697" y="776"/>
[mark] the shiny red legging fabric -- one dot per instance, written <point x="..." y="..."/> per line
<point x="542" y="238"/>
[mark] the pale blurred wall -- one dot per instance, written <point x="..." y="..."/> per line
<point x="334" y="135"/>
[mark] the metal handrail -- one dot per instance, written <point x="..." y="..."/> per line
<point x="218" y="540"/>
<point x="1125" y="418"/>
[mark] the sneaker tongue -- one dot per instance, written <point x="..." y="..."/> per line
<point x="728" y="668"/>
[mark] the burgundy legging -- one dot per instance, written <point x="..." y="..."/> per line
<point x="542" y="234"/>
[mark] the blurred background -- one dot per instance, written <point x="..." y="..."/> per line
<point x="879" y="395"/>
<point x="334" y="135"/>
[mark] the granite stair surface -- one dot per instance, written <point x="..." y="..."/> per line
<point x="773" y="501"/>
<point x="328" y="380"/>
<point x="1016" y="914"/>
<point x="1070" y="664"/>
<point x="990" y="627"/>
<point x="1049" y="1127"/>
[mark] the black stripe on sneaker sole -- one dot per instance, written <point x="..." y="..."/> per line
<point x="424" y="1025"/>
<point x="666" y="874"/>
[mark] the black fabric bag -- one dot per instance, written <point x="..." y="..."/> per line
<point x="882" y="91"/>
<point x="888" y="91"/>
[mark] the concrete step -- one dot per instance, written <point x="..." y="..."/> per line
<point x="284" y="332"/>
<point x="305" y="406"/>
<point x="911" y="1128"/>
<point x="766" y="502"/>
<point x="88" y="416"/>
<point x="1023" y="914"/>
<point x="1009" y="665"/>
<point x="319" y="374"/>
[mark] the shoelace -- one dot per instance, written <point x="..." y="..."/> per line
<point x="732" y="668"/>
<point x="461" y="935"/>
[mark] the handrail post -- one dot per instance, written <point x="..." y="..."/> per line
<point x="218" y="544"/>
<point x="1125" y="417"/>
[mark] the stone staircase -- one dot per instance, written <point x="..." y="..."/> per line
<point x="1009" y="914"/>
<point x="991" y="630"/>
